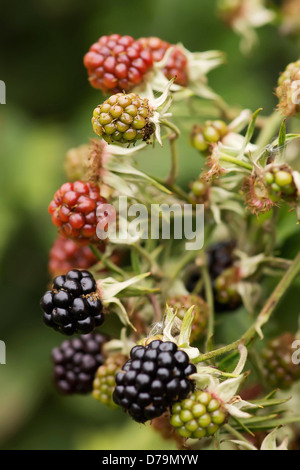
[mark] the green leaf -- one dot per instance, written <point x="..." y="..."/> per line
<point x="229" y="363"/>
<point x="250" y="131"/>
<point x="282" y="134"/>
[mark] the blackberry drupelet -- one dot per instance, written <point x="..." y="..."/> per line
<point x="153" y="379"/>
<point x="73" y="305"/>
<point x="76" y="362"/>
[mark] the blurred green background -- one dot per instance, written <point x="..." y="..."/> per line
<point x="48" y="110"/>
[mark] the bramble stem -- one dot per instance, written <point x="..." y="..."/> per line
<point x="174" y="188"/>
<point x="210" y="301"/>
<point x="235" y="161"/>
<point x="155" y="269"/>
<point x="171" y="126"/>
<point x="174" y="160"/>
<point x="235" y="433"/>
<point x="106" y="262"/>
<point x="263" y="317"/>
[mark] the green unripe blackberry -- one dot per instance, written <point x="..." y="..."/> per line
<point x="200" y="415"/>
<point x="200" y="192"/>
<point x="202" y="137"/>
<point x="225" y="291"/>
<point x="182" y="303"/>
<point x="104" y="383"/>
<point x="279" y="369"/>
<point x="123" y="118"/>
<point x="280" y="183"/>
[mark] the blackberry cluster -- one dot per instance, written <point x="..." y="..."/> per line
<point x="200" y="415"/>
<point x="76" y="361"/>
<point x="280" y="183"/>
<point x="123" y="118"/>
<point x="279" y="369"/>
<point x="74" y="211"/>
<point x="116" y="63"/>
<point x="73" y="305"/>
<point x="65" y="255"/>
<point x="182" y="303"/>
<point x="176" y="65"/>
<point x="105" y="383"/>
<point x="155" y="377"/>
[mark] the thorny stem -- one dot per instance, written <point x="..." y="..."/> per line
<point x="171" y="126"/>
<point x="263" y="317"/>
<point x="106" y="262"/>
<point x="210" y="301"/>
<point x="185" y="260"/>
<point x="272" y="231"/>
<point x="235" y="161"/>
<point x="235" y="433"/>
<point x="174" y="160"/>
<point x="155" y="270"/>
<point x="174" y="188"/>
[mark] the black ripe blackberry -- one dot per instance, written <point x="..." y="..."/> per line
<point x="153" y="379"/>
<point x="73" y="305"/>
<point x="76" y="362"/>
<point x="220" y="257"/>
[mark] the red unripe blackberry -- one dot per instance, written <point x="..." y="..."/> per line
<point x="74" y="211"/>
<point x="73" y="305"/>
<point x="65" y="255"/>
<point x="182" y="303"/>
<point x="155" y="377"/>
<point x="177" y="63"/>
<point x="105" y="383"/>
<point x="277" y="361"/>
<point x="123" y="118"/>
<point x="117" y="63"/>
<point x="76" y="361"/>
<point x="200" y="415"/>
